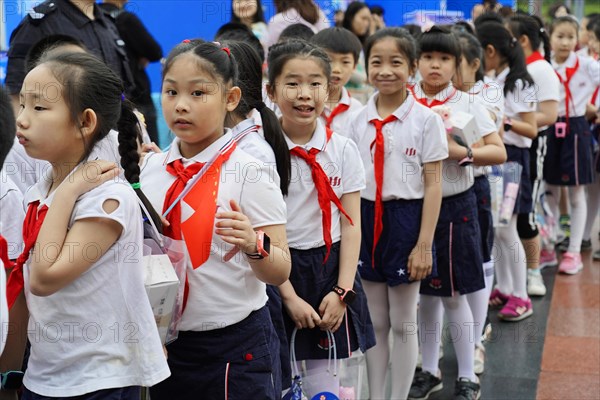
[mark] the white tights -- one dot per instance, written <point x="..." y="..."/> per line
<point x="395" y="308"/>
<point x="577" y="199"/>
<point x="511" y="270"/>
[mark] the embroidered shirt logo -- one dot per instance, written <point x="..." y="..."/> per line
<point x="335" y="181"/>
<point x="410" y="151"/>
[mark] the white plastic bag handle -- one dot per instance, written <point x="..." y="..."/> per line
<point x="332" y="348"/>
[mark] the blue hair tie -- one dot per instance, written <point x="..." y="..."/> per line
<point x="122" y="97"/>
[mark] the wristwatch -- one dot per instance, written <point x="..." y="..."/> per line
<point x="263" y="246"/>
<point x="346" y="295"/>
<point x="507" y="124"/>
<point x="11" y="380"/>
<point x="468" y="160"/>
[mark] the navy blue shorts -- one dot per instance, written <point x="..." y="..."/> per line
<point x="401" y="228"/>
<point x="240" y="361"/>
<point x="484" y="211"/>
<point x="596" y="134"/>
<point x="524" y="202"/>
<point x="458" y="248"/>
<point x="569" y="160"/>
<point x="312" y="281"/>
<point x="276" y="311"/>
<point x="127" y="393"/>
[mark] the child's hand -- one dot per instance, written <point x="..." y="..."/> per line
<point x="420" y="262"/>
<point x="90" y="175"/>
<point x="147" y="148"/>
<point x="303" y="315"/>
<point x="455" y="150"/>
<point x="235" y="228"/>
<point x="332" y="311"/>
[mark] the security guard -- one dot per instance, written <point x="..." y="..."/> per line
<point x="81" y="19"/>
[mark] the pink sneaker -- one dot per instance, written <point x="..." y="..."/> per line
<point x="548" y="258"/>
<point x="498" y="299"/>
<point x="516" y="309"/>
<point x="570" y="264"/>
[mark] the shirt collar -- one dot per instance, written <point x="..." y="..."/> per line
<point x="242" y="126"/>
<point x="570" y="61"/>
<point x="78" y="18"/>
<point x="317" y="141"/>
<point x="440" y="96"/>
<point x="204" y="156"/>
<point x="401" y="112"/>
<point x="501" y="77"/>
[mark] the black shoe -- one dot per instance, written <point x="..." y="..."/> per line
<point x="466" y="390"/>
<point x="423" y="385"/>
<point x="563" y="246"/>
<point x="586" y="245"/>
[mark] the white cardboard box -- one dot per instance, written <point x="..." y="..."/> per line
<point x="464" y="129"/>
<point x="161" y="286"/>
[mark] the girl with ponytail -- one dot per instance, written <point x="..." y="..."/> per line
<point x="505" y="58"/>
<point x="83" y="225"/>
<point x="530" y="33"/>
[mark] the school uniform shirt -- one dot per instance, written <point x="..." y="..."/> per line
<point x="340" y="160"/>
<point x="417" y="137"/>
<point x="455" y="178"/>
<point x="220" y="293"/>
<point x="547" y="85"/>
<point x="340" y="122"/>
<point x="12" y="215"/>
<point x="521" y="100"/>
<point x="583" y="84"/>
<point x="490" y="94"/>
<point x="99" y="331"/>
<point x="254" y="143"/>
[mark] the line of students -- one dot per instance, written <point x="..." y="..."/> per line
<point x="403" y="193"/>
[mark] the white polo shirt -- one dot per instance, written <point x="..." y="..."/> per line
<point x="583" y="84"/>
<point x="99" y="331"/>
<point x="340" y="121"/>
<point x="340" y="160"/>
<point x="547" y="85"/>
<point x="12" y="215"/>
<point x="457" y="179"/>
<point x="415" y="138"/>
<point x="221" y="293"/>
<point x="490" y="94"/>
<point x="521" y="100"/>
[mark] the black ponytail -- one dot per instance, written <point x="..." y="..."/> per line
<point x="129" y="132"/>
<point x="471" y="51"/>
<point x="495" y="34"/>
<point x="250" y="82"/>
<point x="532" y="27"/>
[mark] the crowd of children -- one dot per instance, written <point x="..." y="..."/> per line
<point x="310" y="220"/>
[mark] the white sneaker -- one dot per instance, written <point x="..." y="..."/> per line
<point x="535" y="284"/>
<point x="479" y="359"/>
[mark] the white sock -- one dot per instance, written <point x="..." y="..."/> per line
<point x="578" y="216"/>
<point x="431" y="316"/>
<point x="378" y="356"/>
<point x="510" y="268"/>
<point x="462" y="334"/>
<point x="403" y="317"/>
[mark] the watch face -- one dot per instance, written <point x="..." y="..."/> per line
<point x="349" y="297"/>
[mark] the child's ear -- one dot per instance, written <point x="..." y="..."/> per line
<point x="88" y="122"/>
<point x="490" y="51"/>
<point x="234" y="95"/>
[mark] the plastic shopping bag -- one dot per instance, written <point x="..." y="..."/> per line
<point x="505" y="177"/>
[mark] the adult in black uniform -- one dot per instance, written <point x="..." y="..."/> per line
<point x="142" y="49"/>
<point x="81" y="19"/>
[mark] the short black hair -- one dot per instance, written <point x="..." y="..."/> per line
<point x="234" y="31"/>
<point x="49" y="42"/>
<point x="8" y="126"/>
<point x="378" y="10"/>
<point x="296" y="31"/>
<point x="338" y="40"/>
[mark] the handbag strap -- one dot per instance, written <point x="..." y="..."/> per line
<point x="332" y="349"/>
